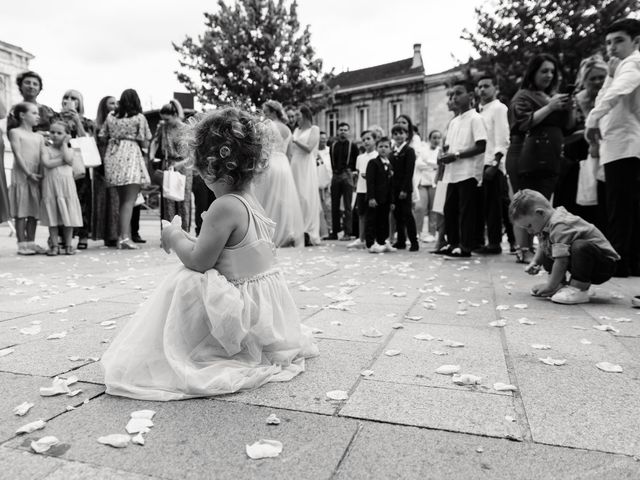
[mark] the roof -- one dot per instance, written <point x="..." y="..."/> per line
<point x="15" y="47"/>
<point x="386" y="71"/>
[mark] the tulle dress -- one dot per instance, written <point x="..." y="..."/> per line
<point x="305" y="175"/>
<point x="60" y="204"/>
<point x="234" y="327"/>
<point x="276" y="191"/>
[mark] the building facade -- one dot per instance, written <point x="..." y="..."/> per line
<point x="13" y="61"/>
<point x="377" y="95"/>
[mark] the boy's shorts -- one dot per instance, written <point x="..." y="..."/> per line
<point x="361" y="203"/>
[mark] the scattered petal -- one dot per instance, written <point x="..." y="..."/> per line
<point x="57" y="336"/>
<point x="466" y="379"/>
<point x="372" y="332"/>
<point x="439" y="352"/>
<point x="509" y="418"/>
<point x="138" y="439"/>
<point x="337" y="395"/>
<point x="147" y="414"/>
<point x="452" y="344"/>
<point x="504" y="387"/>
<point x="584" y="341"/>
<point x="498" y="323"/>
<point x="606" y="328"/>
<point x="316" y="330"/>
<point x="609" y="367"/>
<point x="553" y="361"/>
<point x="32" y="427"/>
<point x="264" y="449"/>
<point x="540" y="346"/>
<point x="336" y="322"/>
<point x="22" y="409"/>
<point x="136" y="425"/>
<point x="392" y="353"/>
<point x="461" y="312"/>
<point x="521" y="306"/>
<point x="526" y="321"/>
<point x="71" y="380"/>
<point x="502" y="308"/>
<point x="33" y="330"/>
<point x="6" y="351"/>
<point x="73" y="393"/>
<point x="414" y="318"/>
<point x="273" y="420"/>
<point x="117" y="440"/>
<point x="578" y="327"/>
<point x="107" y="323"/>
<point x="70" y="407"/>
<point x="429" y="306"/>
<point x="74" y="358"/>
<point x="399" y="294"/>
<point x="397" y="326"/>
<point x="448" y="369"/>
<point x="366" y="373"/>
<point x="424" y="336"/>
<point x="623" y="320"/>
<point x="44" y="444"/>
<point x="479" y="449"/>
<point x="58" y="387"/>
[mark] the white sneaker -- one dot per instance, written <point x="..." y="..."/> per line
<point x="376" y="248"/>
<point x="357" y="243"/>
<point x="570" y="296"/>
<point x="388" y="248"/>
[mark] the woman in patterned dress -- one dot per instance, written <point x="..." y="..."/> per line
<point x="127" y="132"/>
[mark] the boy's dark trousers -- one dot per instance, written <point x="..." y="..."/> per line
<point x="460" y="214"/>
<point x="492" y="189"/>
<point x="341" y="187"/>
<point x="377" y="224"/>
<point x="404" y="219"/>
<point x="623" y="206"/>
<point x="587" y="263"/>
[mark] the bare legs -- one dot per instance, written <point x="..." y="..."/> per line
<point x="127" y="195"/>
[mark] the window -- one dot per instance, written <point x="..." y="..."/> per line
<point x="332" y="124"/>
<point x="395" y="109"/>
<point x="362" y="119"/>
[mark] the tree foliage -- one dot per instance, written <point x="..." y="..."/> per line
<point x="510" y="32"/>
<point x="252" y="51"/>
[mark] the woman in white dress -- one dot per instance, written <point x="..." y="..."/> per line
<point x="303" y="151"/>
<point x="275" y="189"/>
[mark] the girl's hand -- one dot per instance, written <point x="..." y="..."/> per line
<point x="35" y="177"/>
<point x="560" y="101"/>
<point x="168" y="229"/>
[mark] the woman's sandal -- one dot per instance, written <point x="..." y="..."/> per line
<point x="82" y="244"/>
<point x="126" y="244"/>
<point x="521" y="255"/>
<point x="53" y="251"/>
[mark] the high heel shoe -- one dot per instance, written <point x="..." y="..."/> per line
<point x="126" y="244"/>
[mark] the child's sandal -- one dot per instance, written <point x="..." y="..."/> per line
<point x="69" y="250"/>
<point x="521" y="255"/>
<point x="53" y="251"/>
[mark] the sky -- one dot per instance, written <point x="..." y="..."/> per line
<point x="102" y="48"/>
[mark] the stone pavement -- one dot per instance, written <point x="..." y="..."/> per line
<point x="404" y="421"/>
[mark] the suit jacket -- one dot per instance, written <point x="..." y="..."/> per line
<point x="403" y="165"/>
<point x="379" y="181"/>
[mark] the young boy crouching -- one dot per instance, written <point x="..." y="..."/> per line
<point x="566" y="243"/>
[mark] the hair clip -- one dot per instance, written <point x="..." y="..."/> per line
<point x="224" y="151"/>
<point x="231" y="165"/>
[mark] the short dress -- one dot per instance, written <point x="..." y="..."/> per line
<point x="24" y="194"/>
<point x="124" y="163"/>
<point x="59" y="204"/>
<point x="231" y="328"/>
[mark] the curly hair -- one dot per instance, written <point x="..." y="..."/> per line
<point x="28" y="74"/>
<point x="231" y="145"/>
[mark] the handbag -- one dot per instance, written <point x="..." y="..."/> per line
<point x="88" y="150"/>
<point x="440" y="197"/>
<point x="77" y="166"/>
<point x="587" y="194"/>
<point x="173" y="185"/>
<point x="541" y="152"/>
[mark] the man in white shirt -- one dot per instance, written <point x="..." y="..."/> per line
<point x="614" y="123"/>
<point x="467" y="141"/>
<point x="494" y="114"/>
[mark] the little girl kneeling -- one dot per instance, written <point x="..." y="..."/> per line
<point x="225" y="321"/>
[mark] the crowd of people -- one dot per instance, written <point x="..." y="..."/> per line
<point x="575" y="141"/>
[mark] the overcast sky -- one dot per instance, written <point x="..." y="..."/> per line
<point x="101" y="48"/>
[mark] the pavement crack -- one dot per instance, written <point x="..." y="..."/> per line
<point x="347" y="449"/>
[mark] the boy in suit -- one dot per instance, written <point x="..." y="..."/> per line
<point x="403" y="161"/>
<point x="378" y="175"/>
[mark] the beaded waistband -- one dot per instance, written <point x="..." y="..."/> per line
<point x="255" y="278"/>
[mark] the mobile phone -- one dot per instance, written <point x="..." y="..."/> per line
<point x="569" y="89"/>
<point x="68" y="104"/>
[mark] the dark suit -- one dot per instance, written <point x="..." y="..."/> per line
<point x="403" y="163"/>
<point x="378" y="176"/>
<point x="343" y="162"/>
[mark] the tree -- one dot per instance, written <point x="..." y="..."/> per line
<point x="250" y="52"/>
<point x="510" y="32"/>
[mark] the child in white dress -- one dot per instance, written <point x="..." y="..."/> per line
<point x="225" y="321"/>
<point x="60" y="204"/>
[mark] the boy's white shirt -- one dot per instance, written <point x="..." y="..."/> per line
<point x="496" y="122"/>
<point x="617" y="112"/>
<point x="361" y="166"/>
<point x="464" y="131"/>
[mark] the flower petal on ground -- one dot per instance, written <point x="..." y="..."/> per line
<point x="584" y="341"/>
<point x="58" y="387"/>
<point x="137" y="425"/>
<point x="453" y="344"/>
<point x="6" y="351"/>
<point x="392" y="353"/>
<point x="44" y="444"/>
<point x="33" y="330"/>
<point x="22" y="409"/>
<point x="466" y="379"/>
<point x="540" y="346"/>
<point x="264" y="448"/>
<point x="606" y="328"/>
<point x="498" y="323"/>
<point x="609" y="367"/>
<point x="448" y="369"/>
<point x="526" y="321"/>
<point x="273" y="420"/>
<point x="366" y="373"/>
<point x="337" y="395"/>
<point x="504" y="387"/>
<point x="372" y="332"/>
<point x="424" y="336"/>
<point x="553" y="361"/>
<point x="138" y="439"/>
<point x="57" y="336"/>
<point x="521" y="306"/>
<point x="32" y="427"/>
<point x="502" y="308"/>
<point x="116" y="440"/>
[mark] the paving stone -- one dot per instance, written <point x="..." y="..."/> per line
<point x="211" y="434"/>
<point x="590" y="409"/>
<point x="16" y="465"/>
<point x="632" y="345"/>
<point x="417" y="453"/>
<point x="9" y="315"/>
<point x="437" y="408"/>
<point x="337" y="368"/>
<point x="83" y="471"/>
<point x="627" y="329"/>
<point x="351" y="325"/>
<point x="482" y="355"/>
<point x="23" y="388"/>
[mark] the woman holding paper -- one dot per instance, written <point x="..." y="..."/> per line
<point x="72" y="113"/>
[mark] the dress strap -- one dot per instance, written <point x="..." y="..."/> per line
<point x="263" y="226"/>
